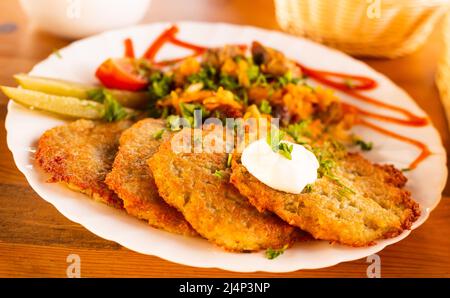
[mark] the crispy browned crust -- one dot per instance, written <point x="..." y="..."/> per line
<point x="379" y="209"/>
<point x="131" y="179"/>
<point x="80" y="154"/>
<point x="213" y="207"/>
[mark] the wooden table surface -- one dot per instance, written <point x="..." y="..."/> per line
<point x="35" y="238"/>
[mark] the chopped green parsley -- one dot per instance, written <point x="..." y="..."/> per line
<point x="265" y="107"/>
<point x="274" y="141"/>
<point x="253" y="72"/>
<point x="219" y="174"/>
<point x="286" y="79"/>
<point x="229" y="82"/>
<point x="285" y="150"/>
<point x="300" y="131"/>
<point x="174" y="122"/>
<point x="349" y="84"/>
<point x="365" y="146"/>
<point x="274" y="253"/>
<point x="158" y="135"/>
<point x="207" y="76"/>
<point x="308" y="188"/>
<point x="160" y="85"/>
<point x="261" y="80"/>
<point x="96" y="94"/>
<point x="188" y="112"/>
<point x="114" y="111"/>
<point x="274" y="138"/>
<point x="229" y="159"/>
<point x="57" y="53"/>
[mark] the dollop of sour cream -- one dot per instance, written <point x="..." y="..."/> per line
<point x="277" y="171"/>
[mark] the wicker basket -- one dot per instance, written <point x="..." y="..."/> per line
<point x="403" y="25"/>
<point x="443" y="73"/>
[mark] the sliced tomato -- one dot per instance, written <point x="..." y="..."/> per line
<point x="121" y="73"/>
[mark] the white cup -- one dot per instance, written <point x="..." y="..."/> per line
<point x="80" y="18"/>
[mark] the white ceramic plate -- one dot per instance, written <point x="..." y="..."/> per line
<point x="78" y="63"/>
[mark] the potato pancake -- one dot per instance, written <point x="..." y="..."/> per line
<point x="131" y="179"/>
<point x="80" y="154"/>
<point x="357" y="205"/>
<point x="197" y="184"/>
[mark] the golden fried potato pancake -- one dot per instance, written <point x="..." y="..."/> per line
<point x="80" y="154"/>
<point x="197" y="184"/>
<point x="360" y="204"/>
<point x="131" y="179"/>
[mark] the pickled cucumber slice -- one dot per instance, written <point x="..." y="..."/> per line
<point x="135" y="100"/>
<point x="62" y="105"/>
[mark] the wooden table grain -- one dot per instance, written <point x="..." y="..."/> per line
<point x="35" y="239"/>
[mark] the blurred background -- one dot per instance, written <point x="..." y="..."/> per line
<point x="371" y="28"/>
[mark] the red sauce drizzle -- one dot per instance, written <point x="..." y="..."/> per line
<point x="129" y="48"/>
<point x="425" y="152"/>
<point x="364" y="83"/>
<point x="412" y="121"/>
<point x="344" y="81"/>
<point x="151" y="52"/>
<point x="187" y="45"/>
<point x="349" y="84"/>
<point x="168" y="62"/>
